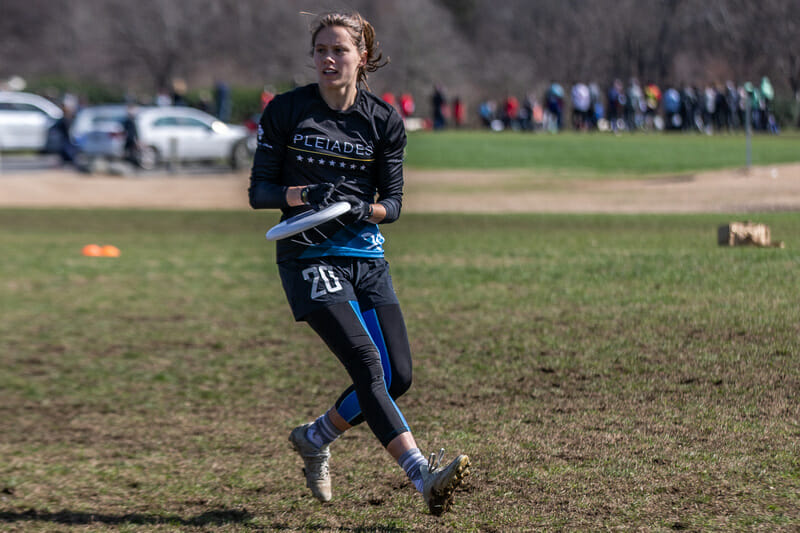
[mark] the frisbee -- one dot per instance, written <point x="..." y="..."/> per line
<point x="305" y="221"/>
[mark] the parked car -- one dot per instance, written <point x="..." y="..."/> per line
<point x="98" y="132"/>
<point x="167" y="134"/>
<point x="25" y="120"/>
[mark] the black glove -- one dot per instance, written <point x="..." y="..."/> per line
<point x="317" y="195"/>
<point x="359" y="209"/>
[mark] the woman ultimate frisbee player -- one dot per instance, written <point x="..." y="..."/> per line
<point x="334" y="141"/>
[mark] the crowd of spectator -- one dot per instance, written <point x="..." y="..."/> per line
<point x="633" y="106"/>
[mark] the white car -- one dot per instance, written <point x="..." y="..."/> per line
<point x="25" y="120"/>
<point x="167" y="134"/>
<point x="180" y="134"/>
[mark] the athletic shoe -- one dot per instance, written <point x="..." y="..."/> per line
<point x="315" y="459"/>
<point x="439" y="484"/>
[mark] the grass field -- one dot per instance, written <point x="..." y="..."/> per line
<point x="603" y="372"/>
<point x="596" y="155"/>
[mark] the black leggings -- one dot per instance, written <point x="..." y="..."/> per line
<point x="373" y="347"/>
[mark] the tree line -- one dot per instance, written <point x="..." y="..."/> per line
<point x="475" y="48"/>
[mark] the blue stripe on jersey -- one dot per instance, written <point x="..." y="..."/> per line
<point x="349" y="408"/>
<point x="339" y="251"/>
<point x="358" y="240"/>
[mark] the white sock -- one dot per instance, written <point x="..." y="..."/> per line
<point x="322" y="432"/>
<point x="411" y="461"/>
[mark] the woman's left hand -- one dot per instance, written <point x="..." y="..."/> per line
<point x="359" y="209"/>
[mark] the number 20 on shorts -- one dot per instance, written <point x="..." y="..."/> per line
<point x="323" y="280"/>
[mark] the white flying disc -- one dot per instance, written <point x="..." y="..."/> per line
<point x="305" y="221"/>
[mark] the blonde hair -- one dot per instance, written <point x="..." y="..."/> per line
<point x="363" y="35"/>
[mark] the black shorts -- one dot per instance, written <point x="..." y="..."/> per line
<point x="311" y="284"/>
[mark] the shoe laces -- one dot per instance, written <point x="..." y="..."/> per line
<point x="318" y="466"/>
<point x="434" y="461"/>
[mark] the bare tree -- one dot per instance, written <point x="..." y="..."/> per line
<point x="474" y="47"/>
<point x="780" y="24"/>
<point x="25" y="33"/>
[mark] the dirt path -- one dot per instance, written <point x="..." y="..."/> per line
<point x="761" y="189"/>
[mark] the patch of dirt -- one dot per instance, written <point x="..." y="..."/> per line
<point x="770" y="188"/>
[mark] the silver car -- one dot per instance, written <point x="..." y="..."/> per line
<point x="167" y="134"/>
<point x="98" y="132"/>
<point x="25" y="120"/>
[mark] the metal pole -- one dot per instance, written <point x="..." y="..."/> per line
<point x="749" y="132"/>
<point x="173" y="155"/>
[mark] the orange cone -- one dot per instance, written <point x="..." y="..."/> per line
<point x="109" y="251"/>
<point x="92" y="250"/>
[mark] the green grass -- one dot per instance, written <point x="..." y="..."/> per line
<point x="595" y="154"/>
<point x="603" y="372"/>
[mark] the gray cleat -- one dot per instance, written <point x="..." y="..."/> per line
<point x="439" y="485"/>
<point x="315" y="459"/>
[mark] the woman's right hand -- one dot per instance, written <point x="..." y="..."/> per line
<point x="317" y="195"/>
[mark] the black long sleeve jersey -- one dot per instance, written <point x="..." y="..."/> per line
<point x="302" y="141"/>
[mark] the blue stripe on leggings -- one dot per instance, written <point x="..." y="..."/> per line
<point x="349" y="409"/>
<point x="370" y="318"/>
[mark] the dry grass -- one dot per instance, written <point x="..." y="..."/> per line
<point x="602" y="373"/>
